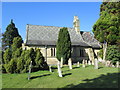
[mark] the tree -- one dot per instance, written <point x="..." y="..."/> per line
<point x="9" y="34"/>
<point x="107" y="27"/>
<point x="7" y="55"/>
<point x="11" y="66"/>
<point x="17" y="43"/>
<point x="63" y="45"/>
<point x="39" y="60"/>
<point x="113" y="54"/>
<point x="17" y="53"/>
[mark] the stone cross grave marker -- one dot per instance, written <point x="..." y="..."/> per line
<point x="83" y="63"/>
<point x="70" y="63"/>
<point x="78" y="64"/>
<point x="96" y="64"/>
<point x="29" y="70"/>
<point x="59" y="70"/>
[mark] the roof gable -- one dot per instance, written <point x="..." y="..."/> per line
<point x="48" y="35"/>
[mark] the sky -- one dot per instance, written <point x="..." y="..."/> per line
<point x="49" y="14"/>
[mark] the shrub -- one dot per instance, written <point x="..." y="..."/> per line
<point x="7" y="56"/>
<point x="17" y="53"/>
<point x="11" y="66"/>
<point x="100" y="53"/>
<point x="113" y="53"/>
<point x="39" y="60"/>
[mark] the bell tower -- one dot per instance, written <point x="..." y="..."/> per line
<point x="76" y="24"/>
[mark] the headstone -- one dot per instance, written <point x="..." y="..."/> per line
<point x="50" y="68"/>
<point x="83" y="63"/>
<point x="92" y="63"/>
<point x="70" y="63"/>
<point x="113" y="65"/>
<point x="61" y="62"/>
<point x="96" y="63"/>
<point x="117" y="64"/>
<point x="78" y="64"/>
<point x="59" y="70"/>
<point x="86" y="62"/>
<point x="29" y="70"/>
<point x="89" y="62"/>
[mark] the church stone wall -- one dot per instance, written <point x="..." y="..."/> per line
<point x="88" y="53"/>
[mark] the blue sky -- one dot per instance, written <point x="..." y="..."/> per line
<point x="49" y="14"/>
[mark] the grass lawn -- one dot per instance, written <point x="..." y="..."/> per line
<point x="104" y="77"/>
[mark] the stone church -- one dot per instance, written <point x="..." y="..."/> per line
<point x="84" y="45"/>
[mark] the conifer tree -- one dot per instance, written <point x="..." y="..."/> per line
<point x="107" y="27"/>
<point x="63" y="45"/>
<point x="9" y="34"/>
<point x="39" y="60"/>
<point x="7" y="56"/>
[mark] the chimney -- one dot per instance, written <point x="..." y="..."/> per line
<point x="76" y="24"/>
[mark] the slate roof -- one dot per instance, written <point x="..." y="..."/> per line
<point x="48" y="35"/>
<point x="89" y="39"/>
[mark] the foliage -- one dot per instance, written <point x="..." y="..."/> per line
<point x="63" y="45"/>
<point x="40" y="60"/>
<point x="11" y="66"/>
<point x="17" y="43"/>
<point x="21" y="67"/>
<point x="113" y="53"/>
<point x="7" y="55"/>
<point x="100" y="53"/>
<point x="32" y="53"/>
<point x="107" y="27"/>
<point x="17" y="53"/>
<point x="9" y="34"/>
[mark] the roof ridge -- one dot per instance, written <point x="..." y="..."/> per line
<point x="48" y="26"/>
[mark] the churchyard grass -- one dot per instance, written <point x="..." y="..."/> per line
<point x="88" y="77"/>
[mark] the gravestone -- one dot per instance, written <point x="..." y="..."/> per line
<point x="96" y="64"/>
<point x="89" y="62"/>
<point x="29" y="70"/>
<point x="59" y="69"/>
<point x="70" y="63"/>
<point x="92" y="63"/>
<point x="50" y="68"/>
<point x="83" y="63"/>
<point x="86" y="62"/>
<point x="61" y="62"/>
<point x="78" y="64"/>
<point x="117" y="64"/>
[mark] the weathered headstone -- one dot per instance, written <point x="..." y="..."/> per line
<point x="86" y="62"/>
<point x="50" y="68"/>
<point x="70" y="63"/>
<point x="96" y="64"/>
<point x="83" y="63"/>
<point x="29" y="70"/>
<point x="78" y="64"/>
<point x="89" y="62"/>
<point x="92" y="63"/>
<point x="61" y="62"/>
<point x="117" y="64"/>
<point x="59" y="69"/>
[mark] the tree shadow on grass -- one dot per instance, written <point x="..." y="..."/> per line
<point x="104" y="81"/>
<point x="39" y="76"/>
<point x="75" y="67"/>
<point x="67" y="74"/>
